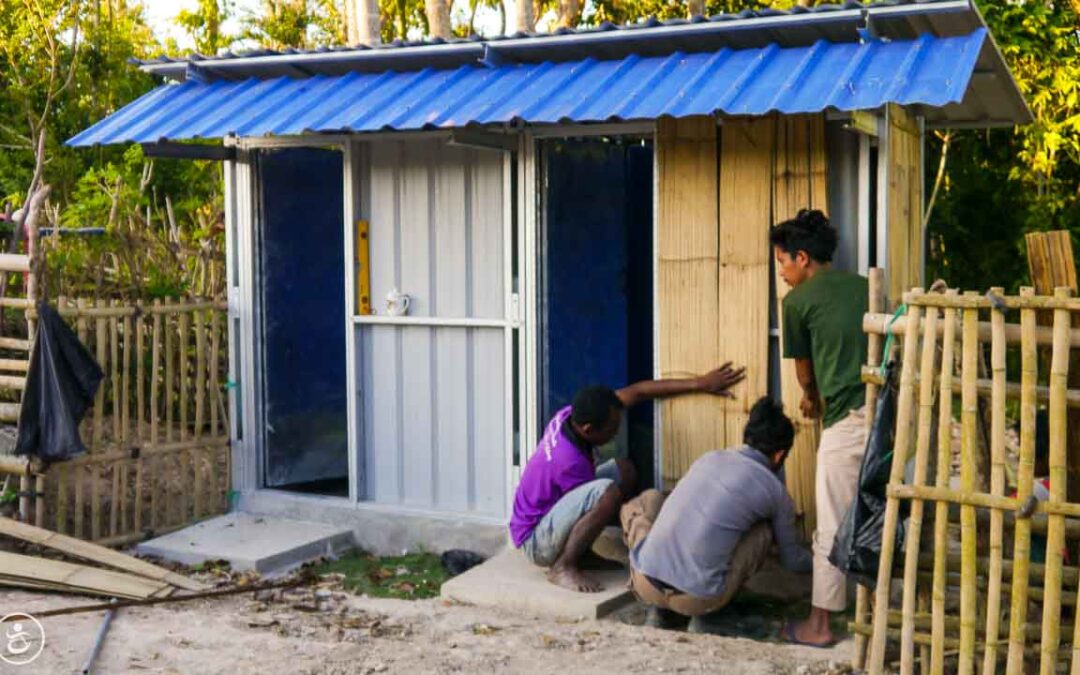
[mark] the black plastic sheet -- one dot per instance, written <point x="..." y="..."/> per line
<point x="60" y="386"/>
<point x="857" y="547"/>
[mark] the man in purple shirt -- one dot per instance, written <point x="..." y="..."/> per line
<point x="564" y="500"/>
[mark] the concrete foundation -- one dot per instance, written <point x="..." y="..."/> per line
<point x="265" y="545"/>
<point x="383" y="530"/>
<point x="510" y="582"/>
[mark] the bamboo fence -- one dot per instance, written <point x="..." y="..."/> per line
<point x="971" y="597"/>
<point x="157" y="434"/>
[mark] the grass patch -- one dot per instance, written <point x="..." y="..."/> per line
<point x="407" y="577"/>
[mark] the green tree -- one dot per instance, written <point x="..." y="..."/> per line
<point x="204" y="25"/>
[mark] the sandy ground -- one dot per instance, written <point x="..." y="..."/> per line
<point x="327" y="631"/>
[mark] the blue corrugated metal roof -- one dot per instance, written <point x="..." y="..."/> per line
<point x="931" y="71"/>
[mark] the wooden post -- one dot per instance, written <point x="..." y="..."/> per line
<point x="155" y="369"/>
<point x="215" y="362"/>
<point x="1055" y="539"/>
<point x="94" y="471"/>
<point x="876" y="304"/>
<point x="997" y="484"/>
<point x="117" y="419"/>
<point x="140" y="411"/>
<point x="1025" y="478"/>
<point x="941" y="518"/>
<point x="969" y="429"/>
<point x="182" y="368"/>
<point x="922" y="452"/>
<point x="170" y="381"/>
<point x="892" y="507"/>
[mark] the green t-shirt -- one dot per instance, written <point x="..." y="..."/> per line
<point x="823" y="323"/>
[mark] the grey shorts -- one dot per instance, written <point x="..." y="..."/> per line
<point x="547" y="540"/>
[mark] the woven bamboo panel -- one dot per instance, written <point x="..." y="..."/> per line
<point x="800" y="181"/>
<point x="742" y="333"/>
<point x="687" y="278"/>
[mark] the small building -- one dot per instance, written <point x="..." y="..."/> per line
<point x="432" y="246"/>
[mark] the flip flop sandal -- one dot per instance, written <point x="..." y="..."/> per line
<point x="787" y="634"/>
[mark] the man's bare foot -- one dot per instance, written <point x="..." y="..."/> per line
<point x="572" y="578"/>
<point x="809" y="633"/>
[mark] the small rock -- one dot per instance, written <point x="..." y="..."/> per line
<point x="323" y="594"/>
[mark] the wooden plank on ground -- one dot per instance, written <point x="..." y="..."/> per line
<point x="687" y="279"/>
<point x="79" y="578"/>
<point x="95" y="553"/>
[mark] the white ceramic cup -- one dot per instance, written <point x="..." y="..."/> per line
<point x="397" y="303"/>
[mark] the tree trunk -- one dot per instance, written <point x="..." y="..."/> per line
<point x="526" y="19"/>
<point x="362" y="22"/>
<point x="569" y="13"/>
<point x="438" y="16"/>
<point x="695" y="8"/>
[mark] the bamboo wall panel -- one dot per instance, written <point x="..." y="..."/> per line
<point x="742" y="331"/>
<point x="905" y="199"/>
<point x="688" y="268"/>
<point x="799" y="181"/>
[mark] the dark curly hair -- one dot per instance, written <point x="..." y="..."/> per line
<point x="593" y="404"/>
<point x="768" y="430"/>
<point x="808" y="231"/>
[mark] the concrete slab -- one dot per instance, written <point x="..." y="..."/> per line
<point x="510" y="582"/>
<point x="263" y="544"/>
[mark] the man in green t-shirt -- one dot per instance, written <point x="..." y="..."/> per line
<point x="822" y="331"/>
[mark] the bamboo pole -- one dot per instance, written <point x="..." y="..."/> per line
<point x="1055" y="541"/>
<point x="61" y="476"/>
<point x="997" y="484"/>
<point x="215" y="364"/>
<point x="1025" y="476"/>
<point x="876" y="303"/>
<point x="941" y="513"/>
<point x="167" y="308"/>
<point x="877" y="323"/>
<point x="969" y="411"/>
<point x="900" y="451"/>
<point x="39" y="500"/>
<point x="184" y="460"/>
<point x="102" y="343"/>
<point x="78" y="522"/>
<point x="140" y="415"/>
<point x="1022" y="301"/>
<point x="984" y="501"/>
<point x="170" y="381"/>
<point x="155" y="369"/>
<point x="985" y="387"/>
<point x="922" y="451"/>
<point x="117" y="420"/>
<point x="84" y="337"/>
<point x="125" y="419"/>
<point x="199" y="323"/>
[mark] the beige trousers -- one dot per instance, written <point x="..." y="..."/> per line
<point x="638" y="515"/>
<point x="839" y="458"/>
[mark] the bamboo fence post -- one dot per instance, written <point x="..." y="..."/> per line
<point x="102" y="337"/>
<point x="117" y="417"/>
<point x="997" y="483"/>
<point x="140" y="411"/>
<point x="1029" y="358"/>
<point x="922" y="451"/>
<point x="969" y="420"/>
<point x="125" y="419"/>
<point x="892" y="507"/>
<point x="61" y="473"/>
<point x="184" y="459"/>
<point x="215" y="361"/>
<point x="941" y="513"/>
<point x="169" y="379"/>
<point x="77" y="475"/>
<point x="197" y="456"/>
<point x="1055" y="538"/>
<point x="876" y="304"/>
<point x="84" y="338"/>
<point x="155" y="367"/>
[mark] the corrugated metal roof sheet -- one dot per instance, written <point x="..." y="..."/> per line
<point x="930" y="71"/>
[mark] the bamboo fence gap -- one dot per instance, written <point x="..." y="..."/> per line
<point x="953" y="605"/>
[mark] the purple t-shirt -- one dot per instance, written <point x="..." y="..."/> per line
<point x="555" y="468"/>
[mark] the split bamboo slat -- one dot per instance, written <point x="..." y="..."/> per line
<point x="892" y="508"/>
<point x="922" y="452"/>
<point x="183" y="460"/>
<point x="140" y="416"/>
<point x="95" y="474"/>
<point x="904" y="198"/>
<point x="155" y="412"/>
<point x="200" y="397"/>
<point x="876" y="303"/>
<point x="14" y="567"/>
<point x="117" y="419"/>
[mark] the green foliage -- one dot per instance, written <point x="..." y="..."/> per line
<point x="1000" y="184"/>
<point x="409" y="577"/>
<point x="301" y="24"/>
<point x="204" y="25"/>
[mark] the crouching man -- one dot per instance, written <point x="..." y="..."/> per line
<point x="713" y="532"/>
<point x="564" y="500"/>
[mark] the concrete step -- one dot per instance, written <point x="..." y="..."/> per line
<point x="510" y="582"/>
<point x="263" y="544"/>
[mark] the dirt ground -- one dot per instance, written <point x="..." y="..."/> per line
<point x="321" y="630"/>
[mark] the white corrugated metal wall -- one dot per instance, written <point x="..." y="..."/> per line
<point x="433" y="398"/>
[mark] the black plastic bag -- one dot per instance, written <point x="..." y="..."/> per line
<point x="458" y="561"/>
<point x="60" y="386"/>
<point x="857" y="547"/>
